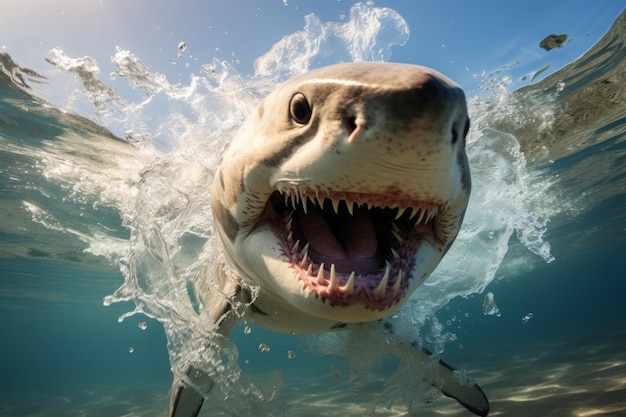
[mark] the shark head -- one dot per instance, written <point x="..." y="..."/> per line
<point x="344" y="189"/>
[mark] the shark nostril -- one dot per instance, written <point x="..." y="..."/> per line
<point x="351" y="124"/>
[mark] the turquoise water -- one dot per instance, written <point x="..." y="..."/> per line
<point x="75" y="200"/>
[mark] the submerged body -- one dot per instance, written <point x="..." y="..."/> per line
<point x="336" y="199"/>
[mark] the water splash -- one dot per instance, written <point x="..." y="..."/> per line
<point x="368" y="35"/>
<point x="174" y="267"/>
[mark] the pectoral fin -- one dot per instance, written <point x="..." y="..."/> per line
<point x="184" y="401"/>
<point x="469" y="395"/>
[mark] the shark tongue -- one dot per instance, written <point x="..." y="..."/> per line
<point x="348" y="241"/>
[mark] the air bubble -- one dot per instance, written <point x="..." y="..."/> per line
<point x="247" y="330"/>
<point x="182" y="46"/>
<point x="291" y="354"/>
<point x="143" y="325"/>
<point x="527" y="317"/>
<point x="264" y="348"/>
<point x="131" y="349"/>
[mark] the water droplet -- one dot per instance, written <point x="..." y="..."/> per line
<point x="143" y="325"/>
<point x="247" y="330"/>
<point x="182" y="46"/>
<point x="131" y="349"/>
<point x="489" y="306"/>
<point x="527" y="317"/>
<point x="173" y="61"/>
<point x="291" y="354"/>
<point x="264" y="348"/>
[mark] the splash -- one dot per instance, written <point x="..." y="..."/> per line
<point x="174" y="268"/>
<point x="368" y="35"/>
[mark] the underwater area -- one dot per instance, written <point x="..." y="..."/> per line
<point x="107" y="154"/>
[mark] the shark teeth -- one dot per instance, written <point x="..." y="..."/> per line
<point x="320" y="276"/>
<point x="348" y="289"/>
<point x="332" y="282"/>
<point x="305" y="256"/>
<point x="401" y="211"/>
<point x="414" y="212"/>
<point x="396" y="286"/>
<point x="406" y="218"/>
<point x="381" y="289"/>
<point x="329" y="279"/>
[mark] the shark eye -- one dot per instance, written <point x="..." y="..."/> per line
<point x="299" y="109"/>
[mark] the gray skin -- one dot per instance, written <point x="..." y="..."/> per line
<point x="337" y="198"/>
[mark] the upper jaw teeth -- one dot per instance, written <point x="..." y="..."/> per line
<point x="422" y="213"/>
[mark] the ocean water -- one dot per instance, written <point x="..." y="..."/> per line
<point x="105" y="223"/>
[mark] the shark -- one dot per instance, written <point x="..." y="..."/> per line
<point x="337" y="197"/>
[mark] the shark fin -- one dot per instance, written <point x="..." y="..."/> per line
<point x="185" y="401"/>
<point x="468" y="394"/>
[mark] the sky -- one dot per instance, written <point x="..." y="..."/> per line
<point x="460" y="38"/>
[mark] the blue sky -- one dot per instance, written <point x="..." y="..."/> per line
<point x="457" y="37"/>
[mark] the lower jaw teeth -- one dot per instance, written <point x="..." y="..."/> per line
<point x="348" y="289"/>
<point x="332" y="284"/>
<point x="381" y="289"/>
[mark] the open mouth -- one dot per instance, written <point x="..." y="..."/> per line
<point x="352" y="247"/>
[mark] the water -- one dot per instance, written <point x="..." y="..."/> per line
<point x="544" y="233"/>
